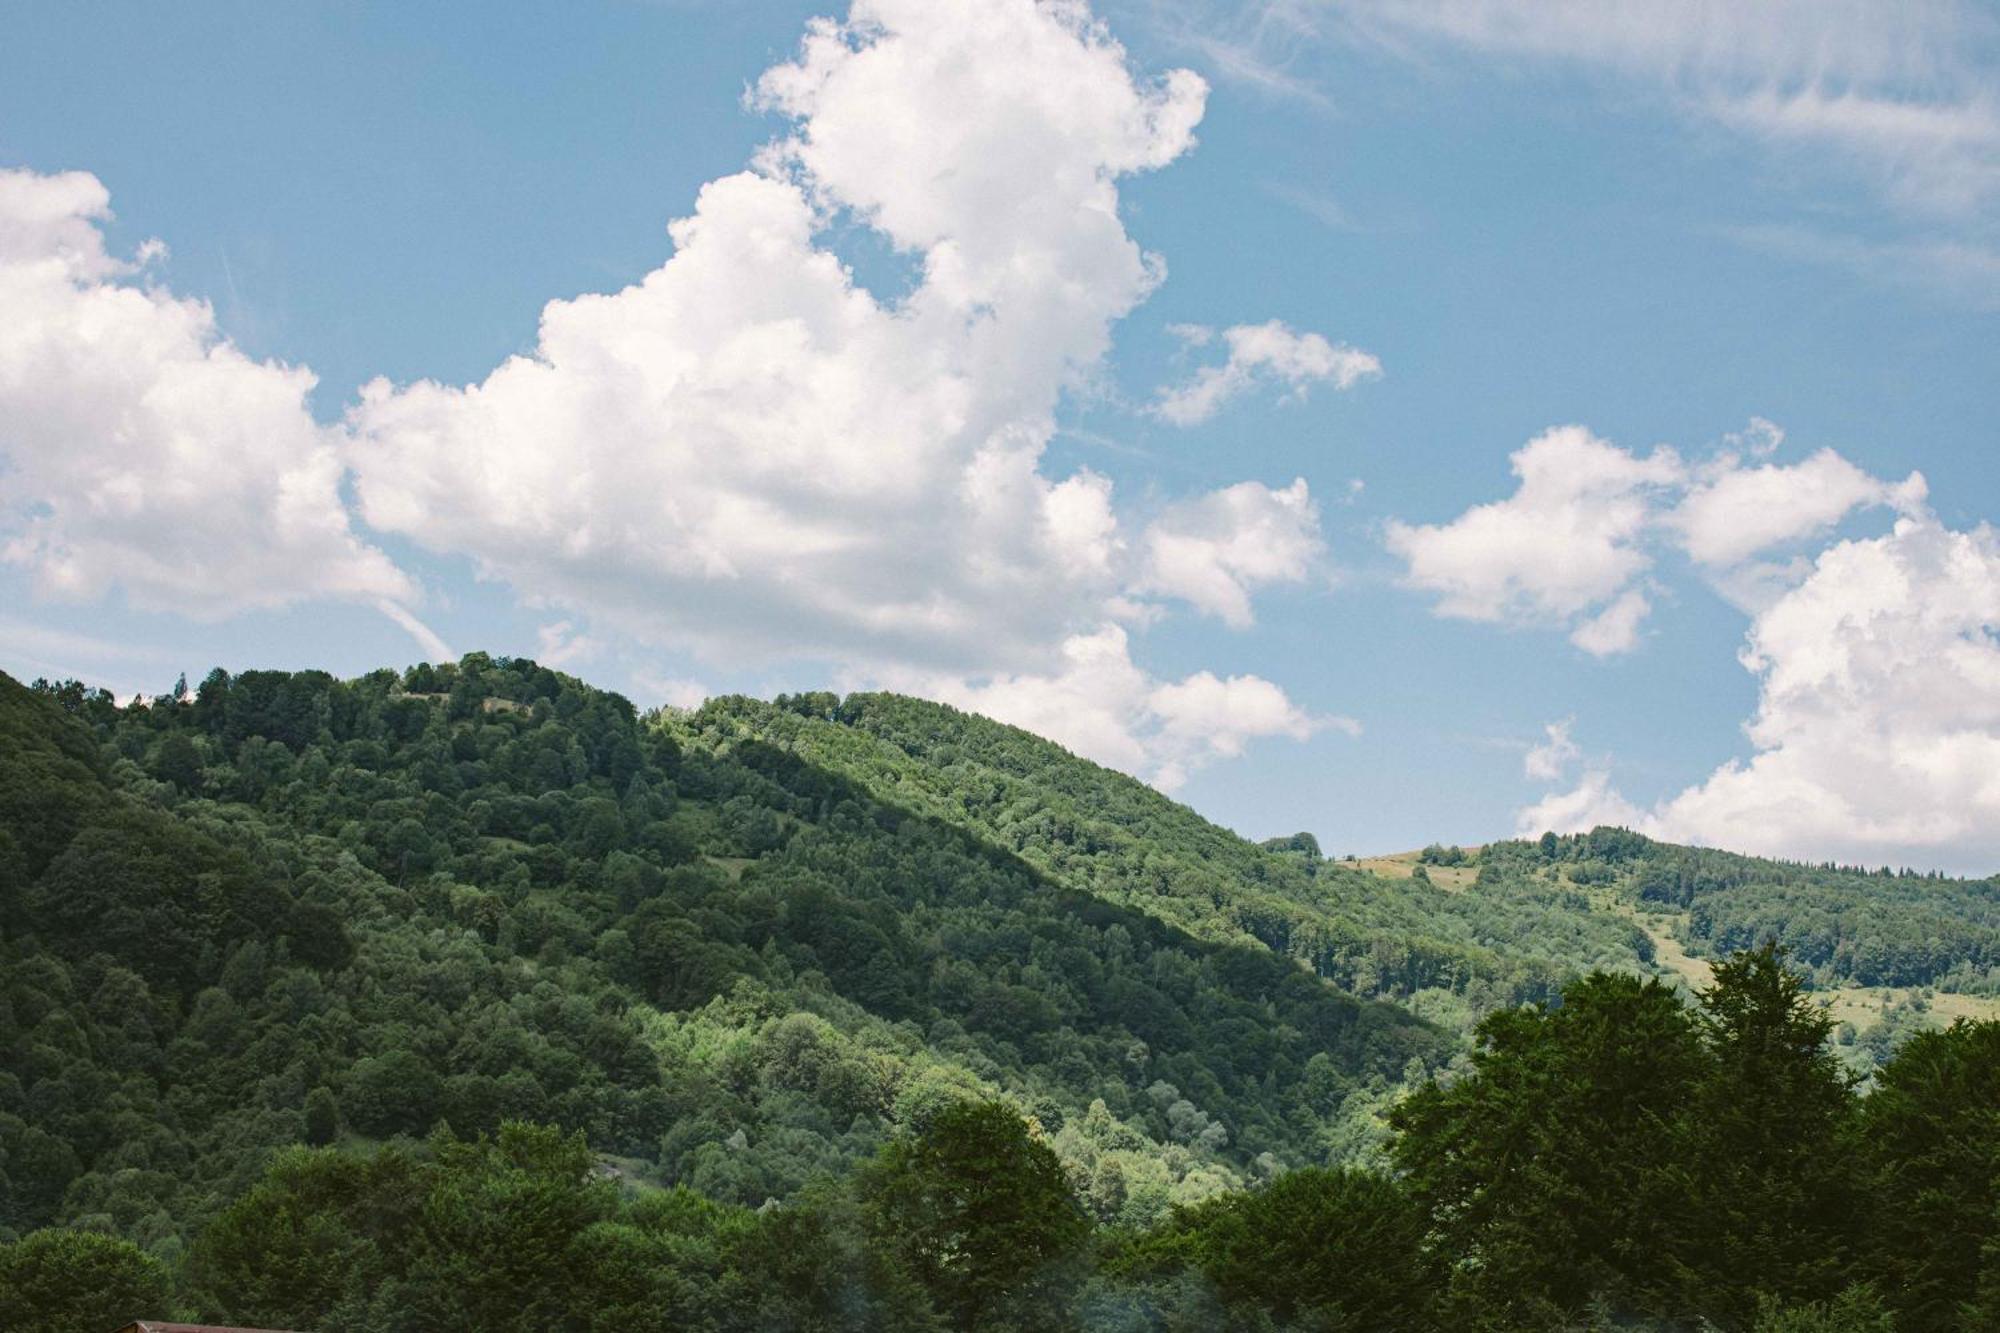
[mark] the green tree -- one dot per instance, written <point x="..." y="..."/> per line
<point x="1317" y="1249"/>
<point x="322" y="1117"/>
<point x="1931" y="1134"/>
<point x="1772" y="1117"/>
<point x="392" y="1093"/>
<point x="493" y="1241"/>
<point x="55" y="1281"/>
<point x="810" y="1266"/>
<point x="318" y="1233"/>
<point x="179" y="762"/>
<point x="317" y="937"/>
<point x="39" y="1168"/>
<point x="1555" y="1174"/>
<point x="1857" y="1309"/>
<point x="981" y="1213"/>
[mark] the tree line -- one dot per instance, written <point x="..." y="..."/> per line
<point x="1614" y="1159"/>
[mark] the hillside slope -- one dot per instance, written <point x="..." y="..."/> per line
<point x="742" y="947"/>
<point x="1113" y="837"/>
<point x="1446" y="933"/>
<point x="294" y="907"/>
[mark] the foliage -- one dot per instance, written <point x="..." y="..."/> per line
<point x="1771" y="1117"/>
<point x="483" y="891"/>
<point x="518" y="1231"/>
<point x="1856" y="1310"/>
<point x="1843" y="925"/>
<point x="470" y="996"/>
<point x="1620" y="1151"/>
<point x="1931" y="1139"/>
<point x="1554" y="1172"/>
<point x="1312" y="1249"/>
<point x="54" y="1281"/>
<point x="981" y="1213"/>
<point x="1119" y="841"/>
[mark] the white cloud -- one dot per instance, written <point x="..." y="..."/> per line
<point x="1318" y="205"/>
<point x="1735" y="512"/>
<point x="562" y="645"/>
<point x="748" y="453"/>
<point x="125" y="668"/>
<point x="1213" y="552"/>
<point x="1205" y="716"/>
<point x="1761" y="438"/>
<point x="1778" y="42"/>
<point x="1878" y="721"/>
<point x="1574" y="545"/>
<point x="1564" y="545"/>
<point x="1615" y="629"/>
<point x="1900" y="98"/>
<point x="1554" y="755"/>
<point x="1931" y="158"/>
<point x="672" y="691"/>
<point x="1960" y="271"/>
<point x="1590" y="803"/>
<point x="1903" y="91"/>
<point x="435" y="648"/>
<point x="1877" y="732"/>
<point x="1269" y="352"/>
<point x="139" y="449"/>
<point x="1103" y="706"/>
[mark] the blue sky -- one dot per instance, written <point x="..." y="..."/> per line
<point x="1009" y="461"/>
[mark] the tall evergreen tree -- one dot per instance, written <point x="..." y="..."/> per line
<point x="1931" y="1138"/>
<point x="1772" y="1171"/>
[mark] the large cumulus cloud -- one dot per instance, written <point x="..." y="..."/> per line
<point x="142" y="451"/>
<point x="748" y="456"/>
<point x="1877" y="730"/>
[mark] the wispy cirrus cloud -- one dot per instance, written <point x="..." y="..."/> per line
<point x="1962" y="272"/>
<point x="1902" y="99"/>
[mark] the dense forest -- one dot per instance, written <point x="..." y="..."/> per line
<point x="468" y="995"/>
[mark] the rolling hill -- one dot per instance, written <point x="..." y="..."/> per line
<point x="739" y="949"/>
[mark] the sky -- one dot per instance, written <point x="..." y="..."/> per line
<point x="1400" y="421"/>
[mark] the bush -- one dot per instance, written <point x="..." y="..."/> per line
<point x="56" y="1281"/>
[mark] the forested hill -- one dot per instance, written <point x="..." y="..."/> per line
<point x="748" y="950"/>
<point x="1119" y="840"/>
<point x="1449" y="933"/>
<point x="295" y="906"/>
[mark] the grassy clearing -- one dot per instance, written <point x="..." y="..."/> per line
<point x="1403" y="865"/>
<point x="1661" y="928"/>
<point x="1862" y="1005"/>
<point x="1859" y="1005"/>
